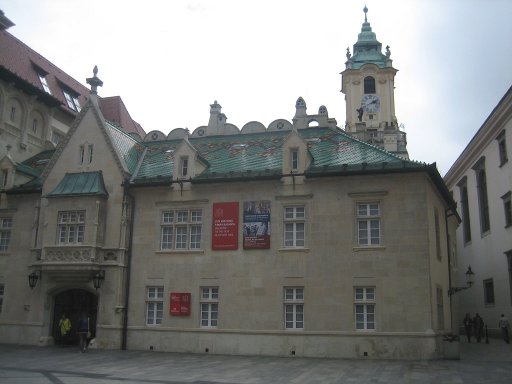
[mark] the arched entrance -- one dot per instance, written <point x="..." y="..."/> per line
<point x="71" y="303"/>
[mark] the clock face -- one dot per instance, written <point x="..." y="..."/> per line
<point x="370" y="103"/>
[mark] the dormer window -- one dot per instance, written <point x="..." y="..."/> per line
<point x="184" y="166"/>
<point x="72" y="100"/>
<point x="44" y="83"/>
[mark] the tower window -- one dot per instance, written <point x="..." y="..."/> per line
<point x="369" y="84"/>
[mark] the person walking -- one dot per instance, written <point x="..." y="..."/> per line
<point x="478" y="327"/>
<point x="83" y="330"/>
<point x="65" y="327"/>
<point x="468" y="324"/>
<point x="504" y="325"/>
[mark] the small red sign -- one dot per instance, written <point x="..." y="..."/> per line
<point x="180" y="304"/>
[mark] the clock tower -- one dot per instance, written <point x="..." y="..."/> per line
<point x="368" y="84"/>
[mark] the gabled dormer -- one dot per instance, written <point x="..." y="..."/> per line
<point x="296" y="158"/>
<point x="187" y="162"/>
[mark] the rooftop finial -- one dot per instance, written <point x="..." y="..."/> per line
<point x="94" y="82"/>
<point x="365" y="10"/>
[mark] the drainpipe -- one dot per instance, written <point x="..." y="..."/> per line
<point x="124" y="333"/>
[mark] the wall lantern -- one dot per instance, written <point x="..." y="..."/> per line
<point x="33" y="277"/>
<point x="98" y="279"/>
<point x="469" y="282"/>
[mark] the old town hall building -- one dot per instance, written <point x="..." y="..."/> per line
<point x="296" y="238"/>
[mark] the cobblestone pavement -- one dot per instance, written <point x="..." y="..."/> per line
<point x="479" y="363"/>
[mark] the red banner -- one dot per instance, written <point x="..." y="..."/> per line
<point x="225" y="226"/>
<point x="180" y="304"/>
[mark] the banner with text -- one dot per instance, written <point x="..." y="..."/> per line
<point x="225" y="226"/>
<point x="257" y="224"/>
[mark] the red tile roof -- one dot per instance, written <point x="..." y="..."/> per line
<point x="115" y="111"/>
<point x="24" y="64"/>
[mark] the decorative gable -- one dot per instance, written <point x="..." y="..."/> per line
<point x="296" y="158"/>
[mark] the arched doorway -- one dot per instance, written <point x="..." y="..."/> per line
<point x="71" y="303"/>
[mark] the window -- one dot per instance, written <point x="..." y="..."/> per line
<point x="364" y="303"/>
<point x="483" y="201"/>
<point x="5" y="178"/>
<point x="71" y="227"/>
<point x="209" y="306"/>
<point x="184" y="166"/>
<point x="464" y="202"/>
<point x="294" y="158"/>
<point x="86" y="157"/>
<point x="369" y="84"/>
<point x="294" y="307"/>
<point x="489" y="292"/>
<point x="1" y="296"/>
<point x="5" y="232"/>
<point x="507" y="208"/>
<point x="56" y="138"/>
<point x="294" y="226"/>
<point x="72" y="100"/>
<point x="502" y="148"/>
<point x="368" y="224"/>
<point x="44" y="83"/>
<point x="154" y="305"/>
<point x="438" y="234"/>
<point x="13" y="114"/>
<point x="181" y="229"/>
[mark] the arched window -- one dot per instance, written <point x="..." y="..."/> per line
<point x="369" y="84"/>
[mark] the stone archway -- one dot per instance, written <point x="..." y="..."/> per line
<point x="72" y="302"/>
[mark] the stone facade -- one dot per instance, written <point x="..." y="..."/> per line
<point x="481" y="180"/>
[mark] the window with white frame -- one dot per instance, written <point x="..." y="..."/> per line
<point x="5" y="232"/>
<point x="294" y="307"/>
<point x="1" y="296"/>
<point x="181" y="229"/>
<point x="72" y="100"/>
<point x="154" y="305"/>
<point x="71" y="227"/>
<point x="294" y="226"/>
<point x="44" y="83"/>
<point x="209" y="303"/>
<point x="364" y="307"/>
<point x="368" y="224"/>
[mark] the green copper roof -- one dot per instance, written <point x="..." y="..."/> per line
<point x="35" y="165"/>
<point x="80" y="184"/>
<point x="368" y="49"/>
<point x="261" y="155"/>
<point x="128" y="148"/>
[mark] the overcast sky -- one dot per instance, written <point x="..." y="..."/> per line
<point x="169" y="60"/>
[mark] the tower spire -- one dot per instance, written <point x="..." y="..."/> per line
<point x="365" y="10"/>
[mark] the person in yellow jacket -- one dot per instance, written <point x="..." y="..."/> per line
<point x="65" y="327"/>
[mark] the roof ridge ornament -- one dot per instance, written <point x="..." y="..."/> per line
<point x="94" y="81"/>
<point x="365" y="10"/>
